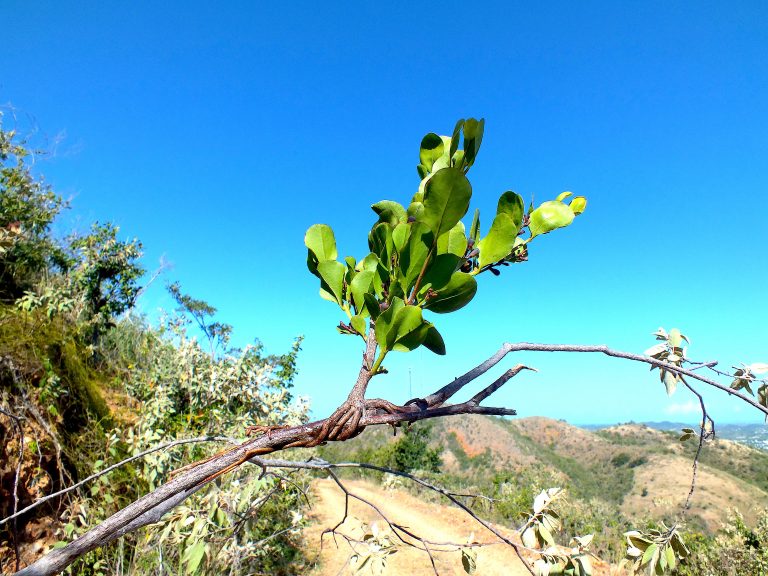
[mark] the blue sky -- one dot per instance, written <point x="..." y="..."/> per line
<point x="218" y="134"/>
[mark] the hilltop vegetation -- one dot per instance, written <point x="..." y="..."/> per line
<point x="86" y="383"/>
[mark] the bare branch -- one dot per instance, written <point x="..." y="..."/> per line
<point x="602" y="349"/>
<point x="109" y="469"/>
<point x="703" y="436"/>
<point x="498" y="383"/>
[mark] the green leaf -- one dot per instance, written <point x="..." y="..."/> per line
<point x="578" y="205"/>
<point x="454" y="241"/>
<point x="409" y="329"/>
<point x="360" y="285"/>
<point x="332" y="275"/>
<point x="431" y="149"/>
<point x="422" y="171"/>
<point x="649" y="553"/>
<point x="546" y="535"/>
<point x="380" y="241"/>
<point x="390" y="212"/>
<point x="433" y="341"/>
<point x="457" y="293"/>
<point x="473" y="136"/>
<point x="469" y="560"/>
<point x="415" y="253"/>
<point x="550" y="216"/>
<point x="474" y="230"/>
<point x="385" y="334"/>
<point x="358" y="323"/>
<point x="400" y="236"/>
<point x="372" y="305"/>
<point x="446" y="200"/>
<point x="562" y="196"/>
<point x="320" y="240"/>
<point x="456" y="137"/>
<point x="670" y="555"/>
<point x="193" y="556"/>
<point x="370" y="263"/>
<point x="439" y="272"/>
<point x="500" y="240"/>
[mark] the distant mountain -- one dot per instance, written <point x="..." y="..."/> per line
<point x="754" y="435"/>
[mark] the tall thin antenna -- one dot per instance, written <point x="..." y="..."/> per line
<point x="410" y="387"/>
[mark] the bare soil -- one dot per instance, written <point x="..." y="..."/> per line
<point x="430" y="521"/>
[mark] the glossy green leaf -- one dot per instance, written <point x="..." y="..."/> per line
<point x="446" y="200"/>
<point x="358" y="323"/>
<point x="439" y="272"/>
<point x="473" y="136"/>
<point x="351" y="270"/>
<point x="500" y="240"/>
<point x="409" y="328"/>
<point x="400" y="236"/>
<point x="550" y="216"/>
<point x="415" y="253"/>
<point x="372" y="305"/>
<point x="320" y="240"/>
<point x="385" y="332"/>
<point x="431" y="149"/>
<point x="380" y="241"/>
<point x="458" y="159"/>
<point x="457" y="293"/>
<point x="422" y="171"/>
<point x="562" y="196"/>
<point x="390" y="212"/>
<point x="370" y="262"/>
<point x="456" y="137"/>
<point x="454" y="241"/>
<point x="360" y="285"/>
<point x="433" y="341"/>
<point x="332" y="275"/>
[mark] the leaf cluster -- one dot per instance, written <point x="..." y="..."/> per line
<point x="422" y="258"/>
<point x="658" y="551"/>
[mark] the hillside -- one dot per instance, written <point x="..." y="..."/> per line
<point x="641" y="472"/>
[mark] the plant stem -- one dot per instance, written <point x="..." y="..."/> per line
<point x="377" y="363"/>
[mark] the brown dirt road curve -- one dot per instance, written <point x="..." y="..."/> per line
<point x="430" y="521"/>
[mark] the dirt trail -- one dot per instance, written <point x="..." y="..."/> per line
<point x="430" y="521"/>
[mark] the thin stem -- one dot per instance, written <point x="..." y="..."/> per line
<point x="377" y="364"/>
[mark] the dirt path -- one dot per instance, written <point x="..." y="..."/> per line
<point x="430" y="521"/>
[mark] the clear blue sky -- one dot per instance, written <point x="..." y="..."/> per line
<point x="218" y="133"/>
